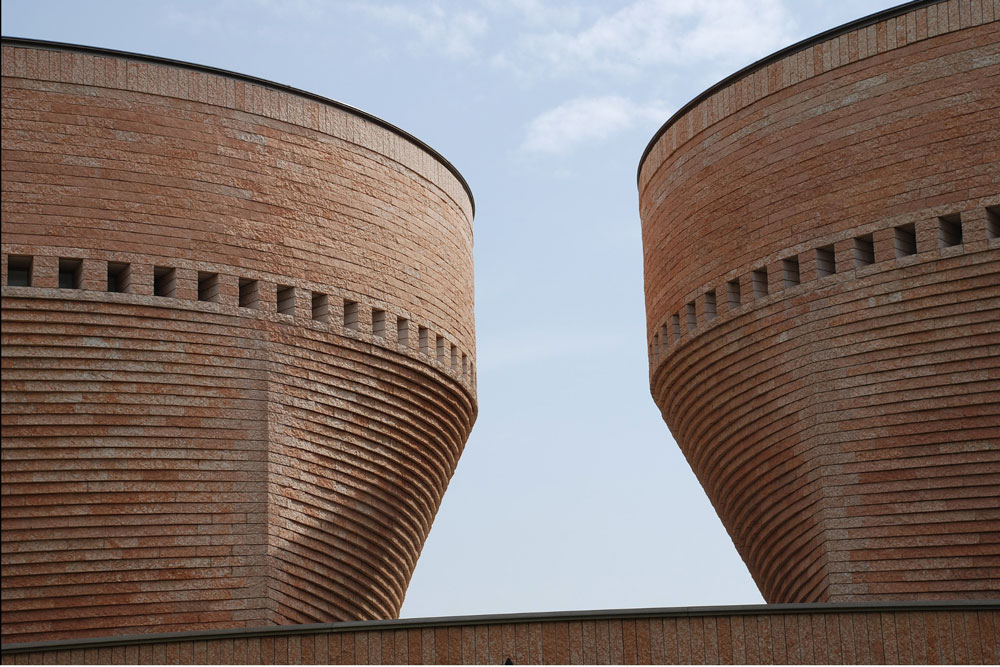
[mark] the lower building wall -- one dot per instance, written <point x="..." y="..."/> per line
<point x="920" y="633"/>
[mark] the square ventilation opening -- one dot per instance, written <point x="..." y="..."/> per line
<point x="710" y="305"/>
<point x="826" y="261"/>
<point x="164" y="281"/>
<point x="249" y="293"/>
<point x="119" y="277"/>
<point x="993" y="222"/>
<point x="285" y="298"/>
<point x="664" y="338"/>
<point x="675" y="322"/>
<point x="905" y="240"/>
<point x="790" y="272"/>
<point x="70" y="273"/>
<point x="950" y="230"/>
<point x="320" y="307"/>
<point x="351" y="318"/>
<point x="454" y="357"/>
<point x="403" y="331"/>
<point x="440" y="349"/>
<point x="378" y="322"/>
<point x="19" y="271"/>
<point x="692" y="316"/>
<point x="423" y="340"/>
<point x="733" y="290"/>
<point x="759" y="279"/>
<point x="208" y="287"/>
<point x="864" y="250"/>
<point x="465" y="364"/>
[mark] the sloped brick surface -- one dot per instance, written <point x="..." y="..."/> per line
<point x="846" y="425"/>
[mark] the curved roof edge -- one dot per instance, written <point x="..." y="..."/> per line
<point x="97" y="51"/>
<point x="777" y="55"/>
<point x="486" y="619"/>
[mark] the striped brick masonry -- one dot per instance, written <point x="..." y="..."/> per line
<point x="821" y="239"/>
<point x="238" y="349"/>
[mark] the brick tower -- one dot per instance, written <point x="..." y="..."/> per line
<point x="821" y="238"/>
<point x="238" y="348"/>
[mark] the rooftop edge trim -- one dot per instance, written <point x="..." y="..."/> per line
<point x="862" y="22"/>
<point x="155" y="60"/>
<point x="560" y="616"/>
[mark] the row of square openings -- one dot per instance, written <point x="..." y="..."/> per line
<point x="863" y="250"/>
<point x="286" y="295"/>
<point x="119" y="279"/>
<point x="445" y="352"/>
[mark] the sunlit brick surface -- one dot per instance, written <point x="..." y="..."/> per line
<point x="187" y="443"/>
<point x="823" y="346"/>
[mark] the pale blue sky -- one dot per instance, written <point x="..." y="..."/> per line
<point x="571" y="493"/>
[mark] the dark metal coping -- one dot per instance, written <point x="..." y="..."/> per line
<point x="95" y="51"/>
<point x="776" y="56"/>
<point x="450" y="621"/>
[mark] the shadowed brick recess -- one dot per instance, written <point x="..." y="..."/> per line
<point x="206" y="421"/>
<point x="841" y="407"/>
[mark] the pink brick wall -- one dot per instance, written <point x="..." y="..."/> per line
<point x="175" y="463"/>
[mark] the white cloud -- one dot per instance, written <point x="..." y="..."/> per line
<point x="453" y="32"/>
<point x="293" y="9"/>
<point x="539" y="13"/>
<point x="650" y="33"/>
<point x="588" y="119"/>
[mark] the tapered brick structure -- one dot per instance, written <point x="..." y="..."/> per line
<point x="238" y="349"/>
<point x="821" y="239"/>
